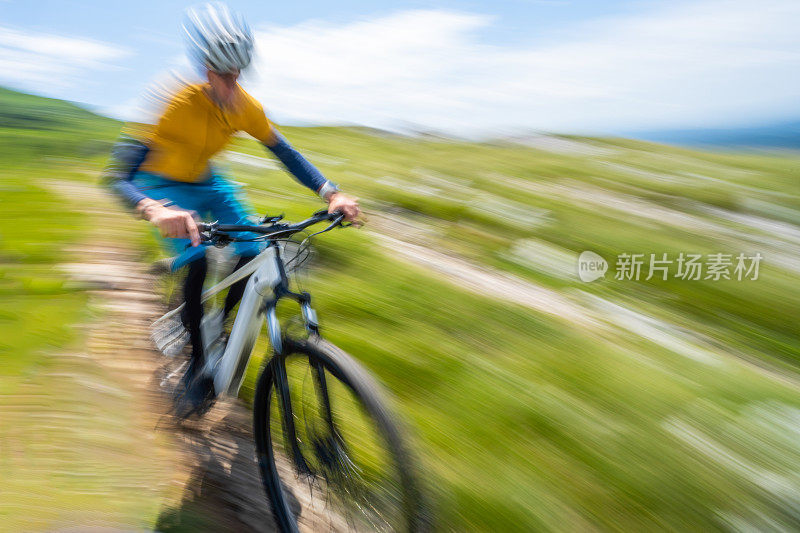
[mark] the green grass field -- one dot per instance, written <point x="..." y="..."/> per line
<point x="673" y="405"/>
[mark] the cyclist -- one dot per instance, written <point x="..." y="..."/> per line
<point x="165" y="174"/>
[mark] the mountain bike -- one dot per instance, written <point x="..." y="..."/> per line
<point x="330" y="452"/>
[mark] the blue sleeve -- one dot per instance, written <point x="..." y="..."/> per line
<point x="305" y="172"/>
<point x="126" y="157"/>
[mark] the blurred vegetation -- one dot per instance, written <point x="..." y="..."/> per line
<point x="679" y="410"/>
<point x="35" y="226"/>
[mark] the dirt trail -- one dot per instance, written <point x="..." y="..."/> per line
<point x="201" y="475"/>
<point x="214" y="464"/>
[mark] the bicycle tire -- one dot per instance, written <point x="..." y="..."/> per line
<point x="342" y="367"/>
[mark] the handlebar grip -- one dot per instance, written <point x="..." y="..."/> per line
<point x="329" y="216"/>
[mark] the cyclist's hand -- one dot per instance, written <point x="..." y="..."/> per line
<point x="172" y="222"/>
<point x="348" y="205"/>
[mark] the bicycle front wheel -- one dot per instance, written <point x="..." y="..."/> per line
<point x="331" y="455"/>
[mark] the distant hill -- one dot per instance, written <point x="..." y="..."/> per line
<point x="777" y="135"/>
<point x="32" y="127"/>
<point x="21" y="110"/>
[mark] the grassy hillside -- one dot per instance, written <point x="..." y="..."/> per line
<point x="33" y="128"/>
<point x="656" y="418"/>
<point x="649" y="405"/>
<point x="506" y="206"/>
<point x="40" y="138"/>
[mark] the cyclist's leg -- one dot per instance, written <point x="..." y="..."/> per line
<point x="229" y="207"/>
<point x="192" y="197"/>
<point x="193" y="312"/>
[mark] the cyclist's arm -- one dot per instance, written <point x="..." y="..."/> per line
<point x="306" y="173"/>
<point x="126" y="157"/>
<point x="300" y="167"/>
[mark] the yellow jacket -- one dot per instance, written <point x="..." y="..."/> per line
<point x="193" y="128"/>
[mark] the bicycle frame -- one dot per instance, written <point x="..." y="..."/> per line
<point x="266" y="286"/>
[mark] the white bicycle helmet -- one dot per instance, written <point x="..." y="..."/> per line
<point x="218" y="39"/>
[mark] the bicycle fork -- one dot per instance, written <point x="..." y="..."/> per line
<point x="288" y="419"/>
<point x="282" y="380"/>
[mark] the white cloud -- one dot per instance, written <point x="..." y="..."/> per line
<point x="41" y="60"/>
<point x="678" y="64"/>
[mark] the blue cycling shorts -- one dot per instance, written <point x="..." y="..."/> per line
<point x="214" y="199"/>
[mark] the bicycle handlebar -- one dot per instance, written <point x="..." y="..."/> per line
<point x="211" y="230"/>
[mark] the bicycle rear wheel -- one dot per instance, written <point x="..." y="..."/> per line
<point x="344" y="465"/>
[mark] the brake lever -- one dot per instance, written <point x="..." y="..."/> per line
<point x="208" y="233"/>
<point x="336" y="222"/>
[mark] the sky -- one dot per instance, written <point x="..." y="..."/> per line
<point x="463" y="67"/>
